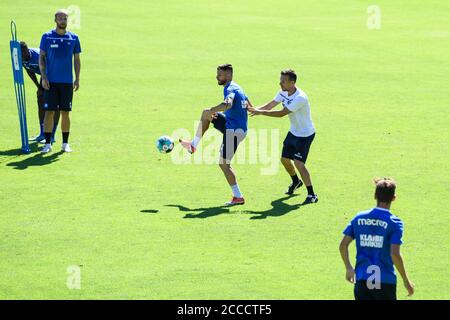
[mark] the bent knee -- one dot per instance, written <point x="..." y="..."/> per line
<point x="204" y="113"/>
<point x="224" y="164"/>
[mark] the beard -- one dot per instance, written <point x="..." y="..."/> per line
<point x="62" y="26"/>
<point x="221" y="83"/>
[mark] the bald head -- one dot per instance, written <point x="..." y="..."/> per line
<point x="61" y="19"/>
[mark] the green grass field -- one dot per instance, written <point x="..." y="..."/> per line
<point x="143" y="227"/>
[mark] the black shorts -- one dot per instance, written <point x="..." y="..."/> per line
<point x="387" y="291"/>
<point x="297" y="148"/>
<point x="59" y="97"/>
<point x="231" y="137"/>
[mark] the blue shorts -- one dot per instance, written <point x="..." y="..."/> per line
<point x="231" y="137"/>
<point x="297" y="148"/>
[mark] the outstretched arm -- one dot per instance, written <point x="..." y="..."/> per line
<point x="265" y="109"/>
<point x="269" y="105"/>
<point x="270" y="113"/>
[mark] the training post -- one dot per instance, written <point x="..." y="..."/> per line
<point x="19" y="88"/>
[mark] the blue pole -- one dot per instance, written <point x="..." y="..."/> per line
<point x="19" y="87"/>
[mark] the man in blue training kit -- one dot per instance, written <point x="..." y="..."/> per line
<point x="230" y="118"/>
<point x="30" y="61"/>
<point x="378" y="235"/>
<point x="59" y="50"/>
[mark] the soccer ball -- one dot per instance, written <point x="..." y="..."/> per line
<point x="164" y="144"/>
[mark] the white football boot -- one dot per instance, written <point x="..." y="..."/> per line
<point x="47" y="148"/>
<point x="65" y="147"/>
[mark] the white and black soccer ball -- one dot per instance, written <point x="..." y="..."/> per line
<point x="164" y="144"/>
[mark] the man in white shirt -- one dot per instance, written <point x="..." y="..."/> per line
<point x="301" y="133"/>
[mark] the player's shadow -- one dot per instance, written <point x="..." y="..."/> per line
<point x="279" y="208"/>
<point x="202" y="212"/>
<point x="38" y="159"/>
<point x="150" y="211"/>
<point x="7" y="155"/>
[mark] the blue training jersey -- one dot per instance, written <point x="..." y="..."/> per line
<point x="59" y="55"/>
<point x="236" y="116"/>
<point x="374" y="231"/>
<point x="33" y="63"/>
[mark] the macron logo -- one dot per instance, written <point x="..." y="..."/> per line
<point x="373" y="222"/>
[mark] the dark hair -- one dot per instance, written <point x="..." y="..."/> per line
<point x="225" y="67"/>
<point x="385" y="189"/>
<point x="290" y="73"/>
<point x="25" y="51"/>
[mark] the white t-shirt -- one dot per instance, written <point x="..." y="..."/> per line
<point x="300" y="115"/>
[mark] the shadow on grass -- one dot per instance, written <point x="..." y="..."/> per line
<point x="150" y="211"/>
<point x="202" y="212"/>
<point x="38" y="159"/>
<point x="279" y="208"/>
<point x="8" y="155"/>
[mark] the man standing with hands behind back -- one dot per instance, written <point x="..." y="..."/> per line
<point x="58" y="49"/>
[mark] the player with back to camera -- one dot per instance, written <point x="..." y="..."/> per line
<point x="378" y="236"/>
